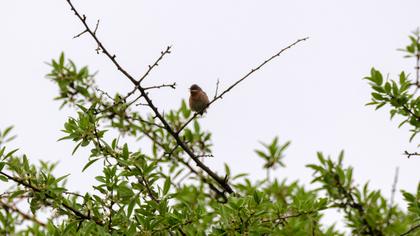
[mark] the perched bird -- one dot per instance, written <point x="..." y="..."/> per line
<point x="198" y="99"/>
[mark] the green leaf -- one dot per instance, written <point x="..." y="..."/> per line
<point x="11" y="153"/>
<point x="124" y="191"/>
<point x="75" y="148"/>
<point x="395" y="89"/>
<point x="227" y="170"/>
<point x="379" y="89"/>
<point x="131" y="206"/>
<point x="89" y="164"/>
<point x="166" y="186"/>
<point x="7" y="130"/>
<point x="2" y="151"/>
<point x="408" y="196"/>
<point x="61" y="60"/>
<point x="196" y="126"/>
<point x="257" y="197"/>
<point x="315" y="168"/>
<point x="387" y="87"/>
<point x="377" y="96"/>
<point x="61" y="178"/>
<point x="3" y="178"/>
<point x="125" y="151"/>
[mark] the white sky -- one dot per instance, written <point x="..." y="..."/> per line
<point x="313" y="94"/>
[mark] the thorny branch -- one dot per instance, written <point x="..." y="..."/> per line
<point x="162" y="54"/>
<point x="221" y="181"/>
<point x="241" y="79"/>
<point x="188" y="165"/>
<point x="175" y="134"/>
<point x="410" y="154"/>
<point x="173" y="86"/>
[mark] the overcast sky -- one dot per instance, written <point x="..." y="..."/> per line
<point x="313" y="94"/>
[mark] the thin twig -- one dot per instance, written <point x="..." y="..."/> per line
<point x="162" y="54"/>
<point x="410" y="154"/>
<point x="205" y="155"/>
<point x="217" y="88"/>
<point x="241" y="79"/>
<point x="141" y="104"/>
<point x="104" y="93"/>
<point x="96" y="27"/>
<point x="80" y="34"/>
<point x="173" y="86"/>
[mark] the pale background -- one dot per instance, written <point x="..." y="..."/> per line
<point x="313" y="94"/>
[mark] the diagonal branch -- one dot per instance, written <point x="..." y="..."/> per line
<point x="221" y="181"/>
<point x="411" y="230"/>
<point x="240" y="80"/>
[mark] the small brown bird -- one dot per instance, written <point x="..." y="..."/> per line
<point x="198" y="99"/>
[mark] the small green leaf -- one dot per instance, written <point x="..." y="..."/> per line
<point x="125" y="151"/>
<point x="89" y="164"/>
<point x="131" y="206"/>
<point x="11" y="153"/>
<point x="75" y="148"/>
<point x="196" y="126"/>
<point x="166" y="186"/>
<point x="257" y="197"/>
<point x="61" y="178"/>
<point x="377" y="96"/>
<point x="3" y="178"/>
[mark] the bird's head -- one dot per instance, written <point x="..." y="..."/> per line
<point x="194" y="89"/>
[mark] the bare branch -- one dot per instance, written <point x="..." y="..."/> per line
<point x="410" y="154"/>
<point x="96" y="27"/>
<point x="173" y="86"/>
<point x="205" y="155"/>
<point x="217" y="88"/>
<point x="142" y="104"/>
<point x="162" y="54"/>
<point x="80" y="34"/>
<point x="241" y="79"/>
<point x="104" y="93"/>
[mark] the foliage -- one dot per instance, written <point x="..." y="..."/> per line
<point x="400" y="94"/>
<point x="158" y="190"/>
